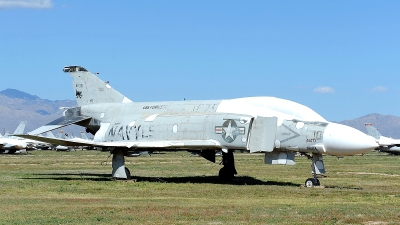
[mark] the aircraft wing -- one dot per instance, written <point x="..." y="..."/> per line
<point x="166" y="144"/>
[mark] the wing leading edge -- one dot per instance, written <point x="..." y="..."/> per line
<point x="166" y="144"/>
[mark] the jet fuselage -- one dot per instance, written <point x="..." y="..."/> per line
<point x="207" y="120"/>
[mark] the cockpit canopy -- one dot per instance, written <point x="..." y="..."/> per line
<point x="270" y="106"/>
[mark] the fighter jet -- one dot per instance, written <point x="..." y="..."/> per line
<point x="277" y="127"/>
<point x="63" y="136"/>
<point x="20" y="130"/>
<point x="386" y="144"/>
<point x="11" y="144"/>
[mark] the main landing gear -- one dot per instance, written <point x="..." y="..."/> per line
<point x="227" y="172"/>
<point x="317" y="168"/>
<point x="119" y="172"/>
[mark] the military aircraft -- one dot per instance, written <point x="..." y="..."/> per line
<point x="20" y="130"/>
<point x="277" y="127"/>
<point x="62" y="135"/>
<point x="49" y="146"/>
<point x="386" y="144"/>
<point x="11" y="144"/>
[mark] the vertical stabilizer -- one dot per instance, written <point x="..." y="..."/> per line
<point x="50" y="134"/>
<point x="21" y="128"/>
<point x="61" y="135"/>
<point x="83" y="136"/>
<point x="372" y="131"/>
<point x="89" y="89"/>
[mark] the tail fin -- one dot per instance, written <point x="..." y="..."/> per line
<point x="50" y="134"/>
<point x="21" y="128"/>
<point x="372" y="131"/>
<point x="83" y="136"/>
<point x="89" y="89"/>
<point x="62" y="135"/>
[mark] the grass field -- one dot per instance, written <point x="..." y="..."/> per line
<point x="48" y="187"/>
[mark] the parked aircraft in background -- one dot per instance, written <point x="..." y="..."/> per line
<point x="49" y="146"/>
<point x="50" y="134"/>
<point x="12" y="144"/>
<point x="276" y="127"/>
<point x="20" y="130"/>
<point x="64" y="136"/>
<point x="83" y="138"/>
<point x="386" y="144"/>
<point x="9" y="143"/>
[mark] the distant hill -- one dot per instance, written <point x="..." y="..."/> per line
<point x="17" y="106"/>
<point x="388" y="125"/>
<point x="14" y="93"/>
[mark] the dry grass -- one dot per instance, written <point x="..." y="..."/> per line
<point x="50" y="187"/>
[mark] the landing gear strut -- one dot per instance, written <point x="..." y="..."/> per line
<point x="119" y="171"/>
<point x="317" y="168"/>
<point x="227" y="172"/>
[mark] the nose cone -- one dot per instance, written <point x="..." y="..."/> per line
<point x="341" y="140"/>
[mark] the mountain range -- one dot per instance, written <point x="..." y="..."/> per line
<point x="387" y="125"/>
<point x="17" y="106"/>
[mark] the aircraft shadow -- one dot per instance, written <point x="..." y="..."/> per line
<point x="240" y="180"/>
<point x="71" y="176"/>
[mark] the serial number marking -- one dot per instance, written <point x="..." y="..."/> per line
<point x="155" y="107"/>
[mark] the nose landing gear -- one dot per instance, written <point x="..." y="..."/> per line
<point x="317" y="168"/>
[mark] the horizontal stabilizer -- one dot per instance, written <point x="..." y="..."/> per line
<point x="57" y="141"/>
<point x="58" y="123"/>
<point x="168" y="145"/>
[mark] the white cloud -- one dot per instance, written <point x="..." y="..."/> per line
<point x="33" y="4"/>
<point x="379" y="89"/>
<point x="324" y="90"/>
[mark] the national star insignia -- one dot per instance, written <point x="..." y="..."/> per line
<point x="228" y="131"/>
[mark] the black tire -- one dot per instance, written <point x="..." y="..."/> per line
<point x="128" y="173"/>
<point x="311" y="182"/>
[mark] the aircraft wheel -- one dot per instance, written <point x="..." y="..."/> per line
<point x="128" y="173"/>
<point x="311" y="182"/>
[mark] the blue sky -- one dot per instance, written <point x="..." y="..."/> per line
<point x="340" y="58"/>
